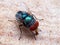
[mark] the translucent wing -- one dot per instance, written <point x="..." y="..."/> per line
<point x="29" y="11"/>
<point x="24" y="7"/>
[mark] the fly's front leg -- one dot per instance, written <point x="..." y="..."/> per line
<point x="20" y="27"/>
<point x="37" y="18"/>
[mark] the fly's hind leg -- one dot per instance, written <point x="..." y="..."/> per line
<point x="33" y="35"/>
<point x="20" y="27"/>
<point x="36" y="32"/>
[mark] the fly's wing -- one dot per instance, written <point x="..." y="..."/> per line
<point x="24" y="7"/>
<point x="29" y="11"/>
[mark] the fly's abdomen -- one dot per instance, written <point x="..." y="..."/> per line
<point x="34" y="26"/>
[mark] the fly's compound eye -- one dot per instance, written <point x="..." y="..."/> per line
<point x="18" y="15"/>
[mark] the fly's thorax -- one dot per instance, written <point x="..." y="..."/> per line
<point x="28" y="21"/>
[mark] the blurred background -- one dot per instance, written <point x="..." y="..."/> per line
<point x="49" y="10"/>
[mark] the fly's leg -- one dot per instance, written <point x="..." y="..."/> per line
<point x="36" y="32"/>
<point x="33" y="35"/>
<point x="37" y="18"/>
<point x="20" y="27"/>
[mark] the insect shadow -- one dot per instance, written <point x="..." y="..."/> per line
<point x="26" y="33"/>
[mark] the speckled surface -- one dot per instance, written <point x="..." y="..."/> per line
<point x="49" y="10"/>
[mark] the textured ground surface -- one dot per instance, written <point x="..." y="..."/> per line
<point x="49" y="10"/>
